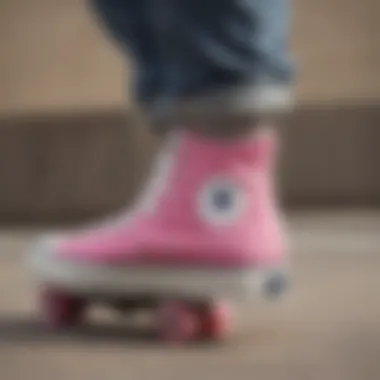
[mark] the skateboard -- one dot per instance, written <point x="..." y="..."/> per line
<point x="175" y="319"/>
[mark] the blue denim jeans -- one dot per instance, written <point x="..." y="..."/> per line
<point x="215" y="54"/>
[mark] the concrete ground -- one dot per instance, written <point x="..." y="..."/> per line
<point x="329" y="327"/>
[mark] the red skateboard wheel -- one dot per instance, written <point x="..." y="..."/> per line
<point x="177" y="323"/>
<point x="60" y="309"/>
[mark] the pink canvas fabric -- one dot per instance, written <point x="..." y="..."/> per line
<point x="209" y="204"/>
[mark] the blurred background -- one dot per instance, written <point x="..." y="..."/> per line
<point x="70" y="151"/>
<point x="65" y="151"/>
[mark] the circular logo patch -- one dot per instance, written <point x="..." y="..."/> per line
<point x="220" y="202"/>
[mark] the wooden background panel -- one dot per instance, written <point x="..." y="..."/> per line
<point x="81" y="165"/>
<point x="334" y="160"/>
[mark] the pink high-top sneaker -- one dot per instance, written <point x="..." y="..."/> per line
<point x="208" y="226"/>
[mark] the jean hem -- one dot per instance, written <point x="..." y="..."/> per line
<point x="237" y="101"/>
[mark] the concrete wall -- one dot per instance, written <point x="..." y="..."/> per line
<point x="63" y="146"/>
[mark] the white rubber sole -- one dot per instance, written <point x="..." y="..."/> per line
<point x="161" y="282"/>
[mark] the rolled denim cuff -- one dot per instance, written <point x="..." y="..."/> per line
<point x="239" y="101"/>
